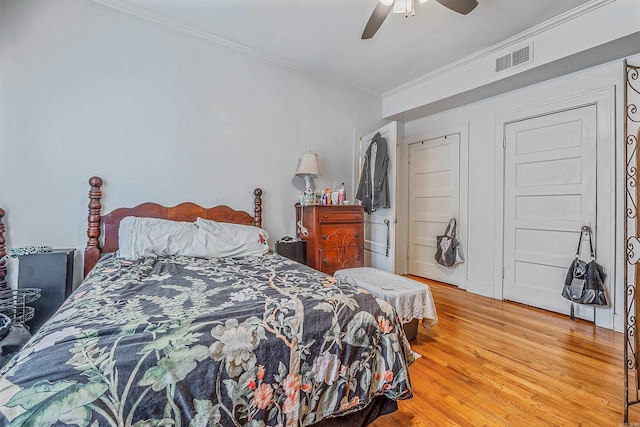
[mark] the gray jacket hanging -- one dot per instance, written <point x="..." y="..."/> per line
<point x="373" y="189"/>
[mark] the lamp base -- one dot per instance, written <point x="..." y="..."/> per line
<point x="307" y="191"/>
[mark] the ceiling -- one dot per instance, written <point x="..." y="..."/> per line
<point x="322" y="37"/>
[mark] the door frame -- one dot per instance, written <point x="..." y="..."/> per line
<point x="463" y="195"/>
<point x="603" y="99"/>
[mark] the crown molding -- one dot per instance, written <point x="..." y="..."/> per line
<point x="491" y="50"/>
<point x="190" y="30"/>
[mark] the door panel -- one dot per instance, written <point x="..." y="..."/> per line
<point x="433" y="200"/>
<point x="550" y="193"/>
<point x="380" y="226"/>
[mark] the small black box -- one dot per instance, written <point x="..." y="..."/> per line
<point x="293" y="249"/>
<point x="52" y="272"/>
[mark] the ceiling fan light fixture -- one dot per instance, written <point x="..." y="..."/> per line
<point x="385" y="7"/>
<point x="404" y="6"/>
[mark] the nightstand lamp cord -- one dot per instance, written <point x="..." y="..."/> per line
<point x="301" y="228"/>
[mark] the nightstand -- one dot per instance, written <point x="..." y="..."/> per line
<point x="292" y="249"/>
<point x="52" y="273"/>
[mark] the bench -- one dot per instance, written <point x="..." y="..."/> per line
<point x="412" y="300"/>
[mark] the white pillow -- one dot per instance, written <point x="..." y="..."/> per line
<point x="151" y="237"/>
<point x="221" y="239"/>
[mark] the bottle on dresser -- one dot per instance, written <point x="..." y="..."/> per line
<point x="341" y="194"/>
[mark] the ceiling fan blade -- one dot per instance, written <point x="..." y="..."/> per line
<point x="375" y="21"/>
<point x="460" y="6"/>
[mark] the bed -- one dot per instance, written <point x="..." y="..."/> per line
<point x="188" y="341"/>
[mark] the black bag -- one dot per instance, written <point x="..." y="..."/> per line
<point x="448" y="251"/>
<point x="584" y="283"/>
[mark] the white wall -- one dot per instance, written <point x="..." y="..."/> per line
<point x="597" y="32"/>
<point x="160" y="115"/>
<point x="484" y="120"/>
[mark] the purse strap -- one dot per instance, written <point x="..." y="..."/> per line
<point x="593" y="254"/>
<point x="585" y="229"/>
<point x="451" y="227"/>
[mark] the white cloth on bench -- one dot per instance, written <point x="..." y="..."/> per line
<point x="411" y="299"/>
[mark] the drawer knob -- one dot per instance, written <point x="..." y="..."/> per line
<point x="356" y="234"/>
<point x="357" y="216"/>
<point x="326" y="216"/>
<point x="325" y="237"/>
<point x="325" y="261"/>
<point x="358" y="257"/>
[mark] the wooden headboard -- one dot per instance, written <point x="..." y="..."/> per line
<point x="183" y="212"/>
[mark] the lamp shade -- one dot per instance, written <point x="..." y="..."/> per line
<point x="308" y="165"/>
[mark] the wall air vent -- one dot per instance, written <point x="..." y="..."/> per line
<point x="517" y="57"/>
<point x="520" y="56"/>
<point x="503" y="63"/>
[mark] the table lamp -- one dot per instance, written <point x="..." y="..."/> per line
<point x="308" y="168"/>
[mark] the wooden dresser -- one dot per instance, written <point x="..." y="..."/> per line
<point x="336" y="236"/>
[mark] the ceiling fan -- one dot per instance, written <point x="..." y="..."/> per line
<point x="383" y="7"/>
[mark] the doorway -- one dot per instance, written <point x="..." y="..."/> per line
<point x="550" y="192"/>
<point x="434" y="194"/>
<point x="380" y="247"/>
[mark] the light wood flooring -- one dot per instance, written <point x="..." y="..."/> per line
<point x="496" y="363"/>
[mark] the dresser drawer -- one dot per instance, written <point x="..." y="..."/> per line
<point x="331" y="236"/>
<point x="340" y="214"/>
<point x="332" y="259"/>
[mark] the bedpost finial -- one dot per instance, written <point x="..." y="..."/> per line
<point x="2" y="213"/>
<point x="95" y="181"/>
<point x="257" y="192"/>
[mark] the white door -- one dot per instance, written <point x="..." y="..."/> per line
<point x="433" y="199"/>
<point x="380" y="226"/>
<point x="550" y="193"/>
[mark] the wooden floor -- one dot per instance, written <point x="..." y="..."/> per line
<point x="495" y="363"/>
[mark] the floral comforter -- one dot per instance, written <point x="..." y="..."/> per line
<point x="181" y="341"/>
